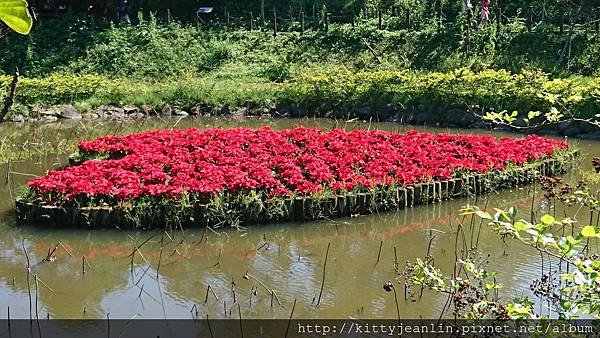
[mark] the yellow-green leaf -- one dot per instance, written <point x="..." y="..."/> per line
<point x="521" y="226"/>
<point x="548" y="219"/>
<point x="483" y="214"/>
<point x="533" y="114"/>
<point x="588" y="231"/>
<point x="15" y="15"/>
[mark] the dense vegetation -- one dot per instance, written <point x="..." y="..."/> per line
<point x="336" y="91"/>
<point x="342" y="67"/>
<point x="153" y="48"/>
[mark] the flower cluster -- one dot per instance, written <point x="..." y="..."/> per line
<point x="295" y="161"/>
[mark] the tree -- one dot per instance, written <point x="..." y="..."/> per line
<point x="15" y="14"/>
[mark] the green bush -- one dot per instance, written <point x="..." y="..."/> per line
<point x="152" y="49"/>
<point x="343" y="90"/>
<point x="57" y="88"/>
<point x="339" y="89"/>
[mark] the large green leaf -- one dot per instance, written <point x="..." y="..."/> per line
<point x="16" y="16"/>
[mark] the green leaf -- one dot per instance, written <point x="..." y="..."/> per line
<point x="548" y="219"/>
<point x="512" y="212"/>
<point x="588" y="231"/>
<point x="572" y="240"/>
<point x="492" y="285"/>
<point x="521" y="226"/>
<point x="15" y="15"/>
<point x="533" y="114"/>
<point x="483" y="214"/>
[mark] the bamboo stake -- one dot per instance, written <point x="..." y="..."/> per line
<point x="396" y="268"/>
<point x="213" y="292"/>
<point x="159" y="259"/>
<point x="208" y="322"/>
<point x="290" y="320"/>
<point x="379" y="254"/>
<point x="8" y="318"/>
<point x="141" y="290"/>
<point x="324" y="266"/>
<point x="240" y="315"/>
<point x="37" y="313"/>
<point x="67" y="250"/>
<point x="274" y="22"/>
<point x="252" y="293"/>
<point x="262" y="9"/>
<point x="28" y="272"/>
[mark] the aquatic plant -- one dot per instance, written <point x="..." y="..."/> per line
<point x="570" y="282"/>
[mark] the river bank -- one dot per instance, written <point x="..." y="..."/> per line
<point x="454" y="117"/>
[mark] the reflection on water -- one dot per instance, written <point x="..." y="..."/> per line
<point x="287" y="258"/>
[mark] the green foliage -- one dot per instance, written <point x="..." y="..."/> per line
<point x="64" y="88"/>
<point x="338" y="89"/>
<point x="344" y="90"/>
<point x="152" y="48"/>
<point x="156" y="63"/>
<point x="575" y="293"/>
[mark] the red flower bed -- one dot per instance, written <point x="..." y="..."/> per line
<point x="303" y="161"/>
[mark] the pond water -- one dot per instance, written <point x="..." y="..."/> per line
<point x="287" y="258"/>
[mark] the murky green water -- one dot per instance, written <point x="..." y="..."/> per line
<point x="287" y="258"/>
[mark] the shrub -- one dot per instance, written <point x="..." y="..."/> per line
<point x="344" y="90"/>
<point x="57" y="89"/>
<point x="340" y="89"/>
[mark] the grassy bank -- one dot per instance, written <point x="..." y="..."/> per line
<point x="154" y="49"/>
<point x="336" y="91"/>
<point x="345" y="71"/>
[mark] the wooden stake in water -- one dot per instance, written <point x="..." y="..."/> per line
<point x="209" y="328"/>
<point x="28" y="272"/>
<point x="159" y="257"/>
<point x="396" y="268"/>
<point x="37" y="313"/>
<point x="8" y="318"/>
<point x="240" y="315"/>
<point x="379" y="254"/>
<point x="290" y="321"/>
<point x="213" y="292"/>
<point x="389" y="286"/>
<point x="323" y="281"/>
<point x="233" y="290"/>
<point x="141" y="290"/>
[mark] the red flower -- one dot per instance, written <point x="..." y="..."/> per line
<point x="301" y="160"/>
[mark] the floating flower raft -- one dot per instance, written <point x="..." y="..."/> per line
<point x="232" y="176"/>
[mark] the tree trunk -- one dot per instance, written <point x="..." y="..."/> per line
<point x="10" y="98"/>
